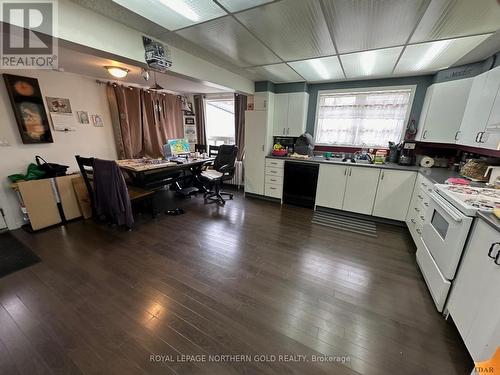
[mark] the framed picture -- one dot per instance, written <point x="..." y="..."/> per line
<point x="97" y="121"/>
<point x="83" y="117"/>
<point x="27" y="102"/>
<point x="189" y="120"/>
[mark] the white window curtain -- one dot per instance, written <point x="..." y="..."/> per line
<point x="371" y="118"/>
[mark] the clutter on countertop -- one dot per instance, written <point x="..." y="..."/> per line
<point x="475" y="169"/>
<point x="34" y="172"/>
<point x="494" y="173"/>
<point x="299" y="156"/>
<point x="457" y="181"/>
<point x="304" y="145"/>
<point x="426" y="162"/>
<point x="380" y="156"/>
<point x="279" y="150"/>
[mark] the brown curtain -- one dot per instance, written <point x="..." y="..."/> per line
<point x="143" y="121"/>
<point x="199" y="110"/>
<point x="240" y="106"/>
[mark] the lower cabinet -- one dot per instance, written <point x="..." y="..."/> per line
<point x="361" y="189"/>
<point x="474" y="302"/>
<point x="331" y="185"/>
<point x="394" y="194"/>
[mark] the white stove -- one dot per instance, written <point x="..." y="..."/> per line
<point x="470" y="199"/>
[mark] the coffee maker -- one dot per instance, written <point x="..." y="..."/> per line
<point x="407" y="153"/>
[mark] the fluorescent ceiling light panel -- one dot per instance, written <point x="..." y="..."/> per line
<point x="278" y="73"/>
<point x="433" y="56"/>
<point x="321" y="69"/>
<point x="375" y="63"/>
<point x="446" y="19"/>
<point x="174" y="14"/>
<point x="237" y="5"/>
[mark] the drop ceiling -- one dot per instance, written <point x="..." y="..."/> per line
<point x="318" y="40"/>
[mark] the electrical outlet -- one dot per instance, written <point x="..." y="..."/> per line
<point x="4" y="142"/>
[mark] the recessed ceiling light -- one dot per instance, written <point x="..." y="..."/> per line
<point x="116" y="71"/>
<point x="436" y="49"/>
<point x="183" y="9"/>
<point x="320" y="68"/>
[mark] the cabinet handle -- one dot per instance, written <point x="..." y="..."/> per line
<point x="350" y="171"/>
<point x="481" y="137"/>
<point x="345" y="172"/>
<point x="287" y="131"/>
<point x="422" y="217"/>
<point x="417" y="209"/>
<point x="426" y="204"/>
<point x="419" y="231"/>
<point x="497" y="259"/>
<point x="424" y="135"/>
<point x="413" y="221"/>
<point x="272" y="180"/>
<point x="492" y="247"/>
<point x="456" y="135"/>
<point x="423" y="184"/>
<point x="262" y="147"/>
<point x="284" y="132"/>
<point x="420" y="197"/>
<point x="382" y="177"/>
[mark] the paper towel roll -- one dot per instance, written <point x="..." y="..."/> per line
<point x="427" y="162"/>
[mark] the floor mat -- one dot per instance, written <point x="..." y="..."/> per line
<point x="14" y="255"/>
<point x="345" y="223"/>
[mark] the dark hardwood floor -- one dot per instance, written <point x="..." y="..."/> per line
<point x="252" y="278"/>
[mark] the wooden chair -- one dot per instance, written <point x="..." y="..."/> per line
<point x="136" y="194"/>
<point x="213" y="151"/>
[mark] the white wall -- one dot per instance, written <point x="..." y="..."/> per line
<point x="84" y="94"/>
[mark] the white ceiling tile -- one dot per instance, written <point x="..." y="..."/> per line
<point x="374" y="63"/>
<point x="321" y="69"/>
<point x="226" y="37"/>
<point x="294" y="29"/>
<point x="433" y="56"/>
<point x="453" y="18"/>
<point x="237" y="5"/>
<point x="174" y="14"/>
<point x="362" y="25"/>
<point x="277" y="73"/>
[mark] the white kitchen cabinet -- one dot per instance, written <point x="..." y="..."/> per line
<point x="290" y="114"/>
<point x="331" y="185"/>
<point x="474" y="301"/>
<point x="255" y="153"/>
<point x="361" y="189"/>
<point x="443" y="111"/>
<point x="481" y="112"/>
<point x="394" y="194"/>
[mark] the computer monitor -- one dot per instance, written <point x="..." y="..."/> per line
<point x="176" y="147"/>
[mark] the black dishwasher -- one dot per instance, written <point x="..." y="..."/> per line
<point x="299" y="185"/>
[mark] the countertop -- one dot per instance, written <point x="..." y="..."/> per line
<point x="489" y="218"/>
<point x="436" y="175"/>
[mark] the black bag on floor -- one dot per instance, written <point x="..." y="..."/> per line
<point x="51" y="169"/>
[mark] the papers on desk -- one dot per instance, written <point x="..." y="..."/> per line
<point x="144" y="164"/>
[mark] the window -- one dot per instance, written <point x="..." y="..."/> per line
<point x="362" y="118"/>
<point x="219" y="121"/>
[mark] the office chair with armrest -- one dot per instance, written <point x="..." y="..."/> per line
<point x="223" y="170"/>
<point x="213" y="150"/>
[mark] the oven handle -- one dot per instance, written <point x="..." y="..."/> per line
<point x="450" y="210"/>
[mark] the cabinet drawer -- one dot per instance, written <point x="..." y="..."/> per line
<point x="275" y="163"/>
<point x="273" y="171"/>
<point x="275" y="191"/>
<point x="274" y="180"/>
<point x="422" y="198"/>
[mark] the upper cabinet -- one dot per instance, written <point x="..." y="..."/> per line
<point x="443" y="110"/>
<point x="481" y="121"/>
<point x="290" y="114"/>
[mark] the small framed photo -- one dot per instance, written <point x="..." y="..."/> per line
<point x="97" y="121"/>
<point x="83" y="117"/>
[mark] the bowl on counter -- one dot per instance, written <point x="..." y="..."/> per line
<point x="279" y="153"/>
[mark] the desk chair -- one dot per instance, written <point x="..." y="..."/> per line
<point x="223" y="170"/>
<point x="213" y="151"/>
<point x="198" y="147"/>
<point x="86" y="166"/>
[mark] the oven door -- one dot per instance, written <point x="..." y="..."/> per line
<point x="444" y="233"/>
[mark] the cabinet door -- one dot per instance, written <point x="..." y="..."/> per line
<point x="491" y="137"/>
<point x="394" y="194"/>
<point x="477" y="111"/>
<point x="424" y="112"/>
<point x="297" y="113"/>
<point x="361" y="189"/>
<point x="446" y="109"/>
<point x="474" y="295"/>
<point x="254" y="162"/>
<point x="280" y="117"/>
<point x="331" y="185"/>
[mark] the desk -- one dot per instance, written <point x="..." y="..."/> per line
<point x="150" y="174"/>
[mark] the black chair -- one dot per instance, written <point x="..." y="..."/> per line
<point x="201" y="148"/>
<point x="86" y="166"/>
<point x="223" y="170"/>
<point x="213" y="151"/>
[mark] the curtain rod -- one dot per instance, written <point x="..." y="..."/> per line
<point x="112" y="83"/>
